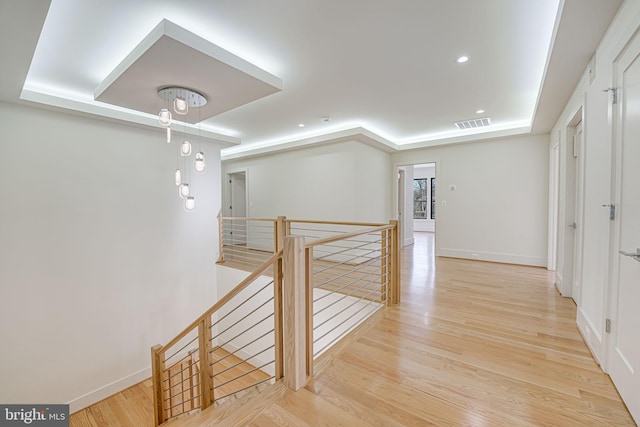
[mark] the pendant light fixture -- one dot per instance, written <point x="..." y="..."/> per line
<point x="180" y="106"/>
<point x="190" y="203"/>
<point x="164" y="117"/>
<point x="182" y="99"/>
<point x="199" y="164"/>
<point x="185" y="149"/>
<point x="183" y="190"/>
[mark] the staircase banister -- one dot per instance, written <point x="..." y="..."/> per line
<point x="332" y="239"/>
<point x="311" y="221"/>
<point x="215" y="307"/>
<point x="239" y="218"/>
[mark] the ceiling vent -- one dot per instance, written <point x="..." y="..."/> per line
<point x="473" y="124"/>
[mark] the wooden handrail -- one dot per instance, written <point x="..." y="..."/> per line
<point x="235" y="291"/>
<point x="332" y="239"/>
<point x="293" y="308"/>
<point x="239" y="218"/>
<point x="312" y="221"/>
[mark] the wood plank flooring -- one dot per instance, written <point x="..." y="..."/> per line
<point x="471" y="344"/>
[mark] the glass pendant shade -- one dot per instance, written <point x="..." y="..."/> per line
<point x="200" y="164"/>
<point x="180" y="105"/>
<point x="185" y="149"/>
<point x="184" y="190"/>
<point x="178" y="177"/>
<point x="190" y="203"/>
<point x="164" y="118"/>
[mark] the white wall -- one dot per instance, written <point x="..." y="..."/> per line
<point x="498" y="210"/>
<point x="598" y="142"/>
<point x="99" y="261"/>
<point x="346" y="181"/>
<point x="425" y="171"/>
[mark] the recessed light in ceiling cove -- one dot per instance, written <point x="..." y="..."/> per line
<point x="462" y="59"/>
<point x="173" y="56"/>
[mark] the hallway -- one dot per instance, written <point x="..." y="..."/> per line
<point x="471" y="344"/>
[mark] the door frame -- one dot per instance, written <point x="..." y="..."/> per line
<point x="565" y="248"/>
<point x="579" y="154"/>
<point x="401" y="206"/>
<point x="228" y="197"/>
<point x="554" y="209"/>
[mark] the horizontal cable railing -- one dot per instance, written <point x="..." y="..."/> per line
<point x="245" y="243"/>
<point x="234" y="346"/>
<point x="350" y="276"/>
<point x="310" y="284"/>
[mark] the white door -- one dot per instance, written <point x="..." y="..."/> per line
<point x="624" y="342"/>
<point x="578" y="154"/>
<point x="238" y="207"/>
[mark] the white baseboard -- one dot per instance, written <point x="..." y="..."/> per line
<point x="494" y="257"/>
<point x="590" y="334"/>
<point x="108" y="390"/>
<point x="559" y="283"/>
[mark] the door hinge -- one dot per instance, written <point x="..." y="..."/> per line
<point x="607" y="326"/>
<point x="614" y="94"/>
<point x="612" y="211"/>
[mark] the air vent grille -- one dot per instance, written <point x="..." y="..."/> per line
<point x="473" y="124"/>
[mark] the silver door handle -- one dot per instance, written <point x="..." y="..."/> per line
<point x="573" y="225"/>
<point x="635" y="255"/>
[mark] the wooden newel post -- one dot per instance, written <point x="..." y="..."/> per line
<point x="385" y="270"/>
<point x="277" y="317"/>
<point x="280" y="232"/>
<point x="309" y="310"/>
<point x="206" y="379"/>
<point x="157" y="366"/>
<point x="221" y="239"/>
<point x="294" y="313"/>
<point x="395" y="263"/>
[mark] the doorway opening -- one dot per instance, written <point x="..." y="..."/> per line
<point x="236" y="194"/>
<point x="237" y="205"/>
<point x="416" y="197"/>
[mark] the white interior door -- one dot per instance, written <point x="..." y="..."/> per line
<point x="624" y="342"/>
<point x="238" y="207"/>
<point x="578" y="154"/>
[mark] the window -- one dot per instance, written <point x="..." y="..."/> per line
<point x="420" y="198"/>
<point x="433" y="198"/>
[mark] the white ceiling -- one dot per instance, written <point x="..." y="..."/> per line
<point x="383" y="71"/>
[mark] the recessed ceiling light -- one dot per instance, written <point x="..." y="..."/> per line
<point x="463" y="59"/>
<point x="300" y="125"/>
<point x="479" y="111"/>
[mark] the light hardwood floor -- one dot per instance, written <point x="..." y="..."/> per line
<point x="471" y="344"/>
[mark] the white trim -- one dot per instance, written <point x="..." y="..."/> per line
<point x="108" y="390"/>
<point x="535" y="261"/>
<point x="590" y="336"/>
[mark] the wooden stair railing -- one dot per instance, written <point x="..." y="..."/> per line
<point x="198" y="367"/>
<point x="184" y="379"/>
